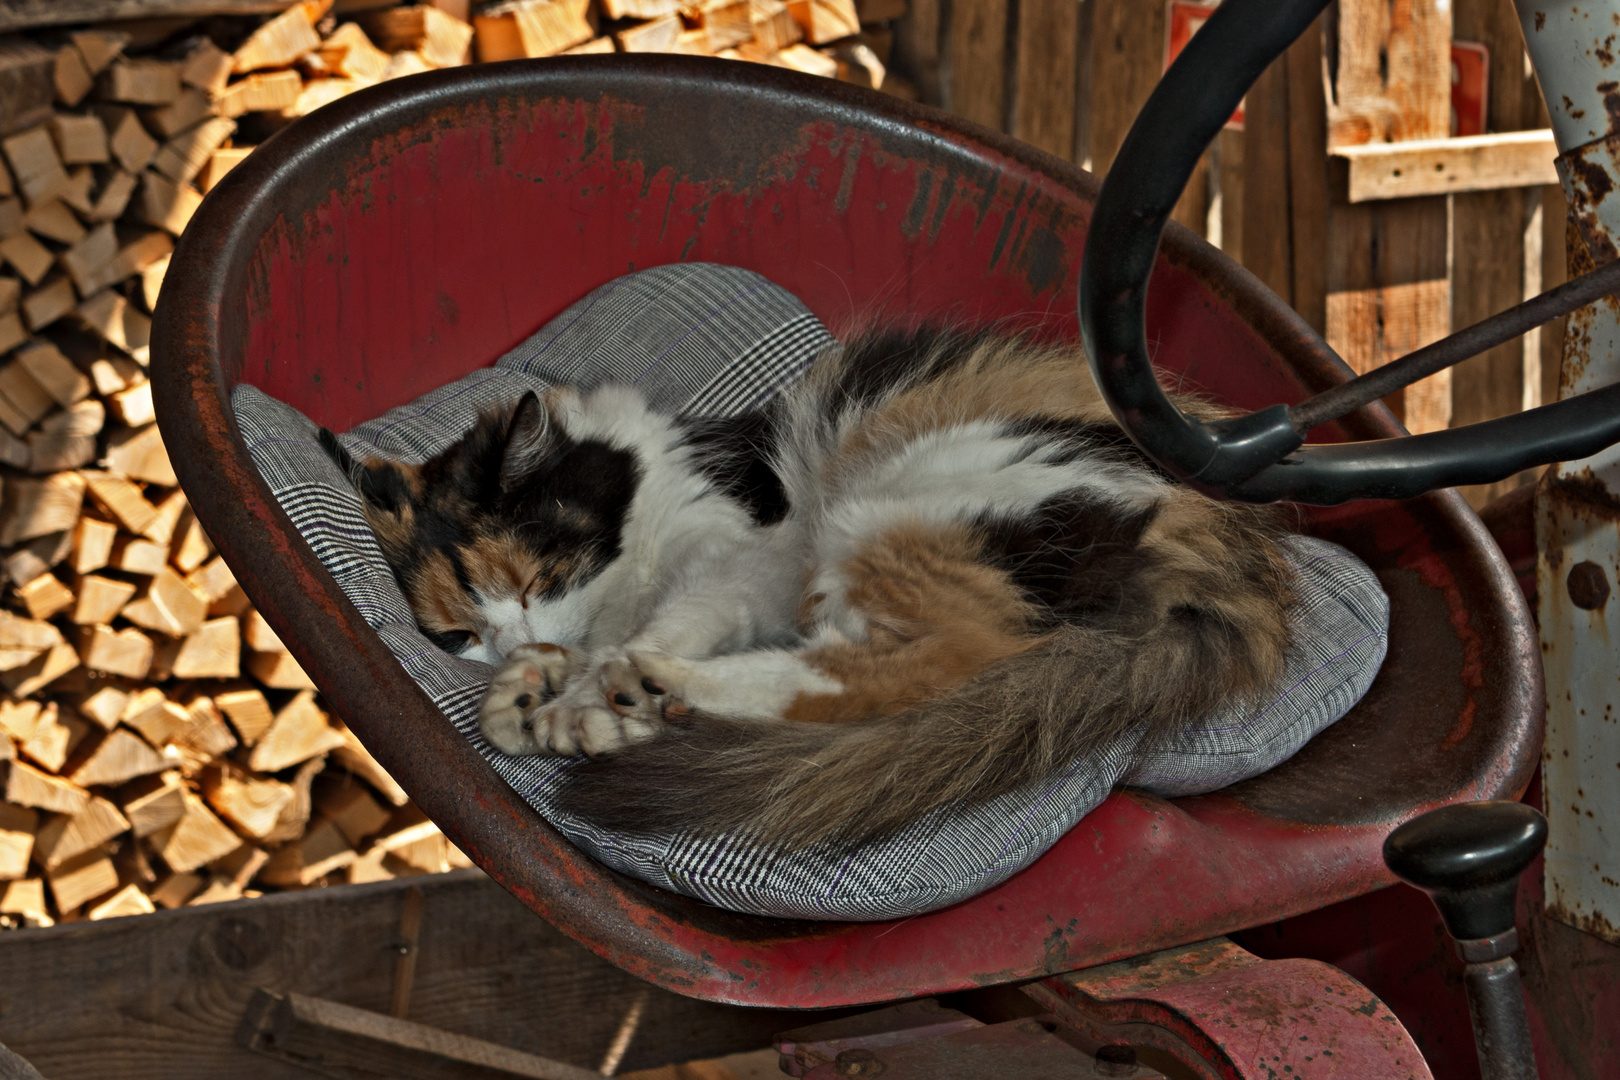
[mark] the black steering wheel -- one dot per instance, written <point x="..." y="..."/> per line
<point x="1261" y="457"/>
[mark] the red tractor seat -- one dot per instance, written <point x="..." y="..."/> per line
<point x="412" y="232"/>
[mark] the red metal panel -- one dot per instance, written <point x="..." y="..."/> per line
<point x="1232" y="1016"/>
<point x="413" y="231"/>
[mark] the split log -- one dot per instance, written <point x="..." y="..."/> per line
<point x="64" y="838"/>
<point x="27" y="256"/>
<point x="77" y="192"/>
<point x="213" y="652"/>
<point x="54" y="739"/>
<point x="169" y="512"/>
<point x="55" y="373"/>
<point x="126" y="138"/>
<point x="213" y="580"/>
<point x="351" y="808"/>
<point x="726" y="22"/>
<point x="35" y="164"/>
<point x="405" y="63"/>
<point x="19" y="718"/>
<point x="233" y="885"/>
<point x="25" y="899"/>
<point x="80" y="140"/>
<point x="169" y="606"/>
<point x="440" y="38"/>
<point x="595" y="45"/>
<point x="104" y="706"/>
<point x="351" y="55"/>
<point x="279" y="42"/>
<point x="319" y="92"/>
<point x="139" y="556"/>
<point x="298" y="733"/>
<point x="295" y="818"/>
<point x="321" y="851"/>
<point x="207" y="67"/>
<point x="279" y="671"/>
<point x="49" y="452"/>
<point x="191" y="546"/>
<point x="37" y="557"/>
<point x="156" y="804"/>
<point x="11" y="330"/>
<point x="152" y="281"/>
<point x="353" y="755"/>
<point x="692" y="43"/>
<point x="249" y="804"/>
<point x="140" y="82"/>
<point x="80" y="880"/>
<point x="192" y="107"/>
<point x="129" y="900"/>
<point x="17" y="827"/>
<point x="774" y="27"/>
<point x="11" y="219"/>
<point x="99" y="48"/>
<point x="121" y="500"/>
<point x="35" y="676"/>
<point x="169" y="206"/>
<point x="44" y="305"/>
<point x="825" y="20"/>
<point x="268" y="92"/>
<point x="658" y="35"/>
<point x="173" y="891"/>
<point x="207" y="736"/>
<point x="101" y="599"/>
<point x="52" y="220"/>
<point x="92" y="544"/>
<point x="121" y="757"/>
<point x="197" y="839"/>
<point x="113" y="373"/>
<point x="183" y="157"/>
<point x="13" y="451"/>
<point x="70" y="77"/>
<point x="248" y="712"/>
<point x="117" y="322"/>
<point x="131" y="259"/>
<point x="45" y="596"/>
<point x="39" y="507"/>
<point x="126" y="652"/>
<point x="258" y="635"/>
<point x="10" y="287"/>
<point x="226" y="159"/>
<point x="114" y="196"/>
<point x="28" y="786"/>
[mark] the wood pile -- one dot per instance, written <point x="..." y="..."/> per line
<point x="158" y="744"/>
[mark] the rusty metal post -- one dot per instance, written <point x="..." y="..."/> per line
<point x="1573" y="48"/>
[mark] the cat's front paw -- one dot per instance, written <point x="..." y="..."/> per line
<point x="643" y="686"/>
<point x="530" y="677"/>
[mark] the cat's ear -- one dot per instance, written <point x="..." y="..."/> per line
<point x="528" y="434"/>
<point x="381" y="484"/>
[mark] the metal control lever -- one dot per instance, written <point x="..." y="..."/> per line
<point x="1468" y="858"/>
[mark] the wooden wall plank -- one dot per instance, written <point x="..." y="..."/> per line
<point x="1127" y="40"/>
<point x="975" y="80"/>
<point x="917" y="48"/>
<point x="1044" y="99"/>
<point x="158" y="997"/>
<point x="1307" y="175"/>
<point x="1267" y="225"/>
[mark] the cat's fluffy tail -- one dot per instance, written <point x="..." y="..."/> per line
<point x="797" y="785"/>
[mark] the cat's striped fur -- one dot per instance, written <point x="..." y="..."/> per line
<point x="933" y="571"/>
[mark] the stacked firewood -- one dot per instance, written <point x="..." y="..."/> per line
<point x="158" y="744"/>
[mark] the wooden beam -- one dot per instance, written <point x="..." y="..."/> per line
<point x="329" y="1036"/>
<point x="1445" y="166"/>
<point x="25" y="14"/>
<point x="162" y="996"/>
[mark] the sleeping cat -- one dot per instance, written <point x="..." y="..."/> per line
<point x="933" y="571"/>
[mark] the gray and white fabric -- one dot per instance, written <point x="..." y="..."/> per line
<point x="713" y="340"/>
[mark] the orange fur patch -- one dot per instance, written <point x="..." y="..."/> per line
<point x="937" y="617"/>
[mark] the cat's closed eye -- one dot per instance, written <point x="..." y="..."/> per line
<point x="453" y="642"/>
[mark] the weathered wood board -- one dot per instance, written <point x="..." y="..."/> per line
<point x="159" y="997"/>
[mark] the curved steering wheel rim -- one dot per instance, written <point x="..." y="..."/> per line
<point x="1261" y="457"/>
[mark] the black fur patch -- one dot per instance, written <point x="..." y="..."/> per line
<point x="1078" y="556"/>
<point x="734" y="455"/>
<point x="876" y="364"/>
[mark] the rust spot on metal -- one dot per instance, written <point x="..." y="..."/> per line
<point x="1588" y="586"/>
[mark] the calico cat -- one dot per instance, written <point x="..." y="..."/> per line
<point x="934" y="570"/>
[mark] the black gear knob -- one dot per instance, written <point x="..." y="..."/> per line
<point x="1468" y="858"/>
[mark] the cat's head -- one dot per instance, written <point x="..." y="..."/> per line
<point x="496" y="539"/>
